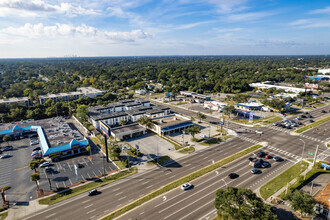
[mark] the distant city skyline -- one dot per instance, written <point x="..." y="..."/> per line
<point x="87" y="28"/>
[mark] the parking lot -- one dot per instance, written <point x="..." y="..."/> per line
<point x="15" y="171"/>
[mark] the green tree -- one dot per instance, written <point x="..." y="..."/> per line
<point x="116" y="152"/>
<point x="193" y="130"/>
<point x="123" y="122"/>
<point x="34" y="164"/>
<point x="303" y="201"/>
<point x="82" y="112"/>
<point x="146" y="121"/>
<point x="228" y="110"/>
<point x="6" y="138"/>
<point x="200" y="116"/>
<point x="240" y="203"/>
<point x="35" y="177"/>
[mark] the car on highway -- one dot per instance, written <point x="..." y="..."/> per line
<point x="255" y="171"/>
<point x="261" y="154"/>
<point x="311" y="121"/>
<point x="93" y="192"/>
<point x="268" y="156"/>
<point x="275" y="124"/>
<point x="300" y="123"/>
<point x="303" y="116"/>
<point x="5" y="156"/>
<point x="233" y="175"/>
<point x="259" y="132"/>
<point x="323" y="111"/>
<point x="8" y="148"/>
<point x="186" y="186"/>
<point x="310" y="116"/>
<point x="306" y="113"/>
<point x="37" y="148"/>
<point x="277" y="158"/>
<point x="45" y="164"/>
<point x="265" y="164"/>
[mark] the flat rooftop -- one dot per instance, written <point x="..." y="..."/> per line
<point x="18" y="99"/>
<point x="58" y="132"/>
<point x="170" y="120"/>
<point x="127" y="129"/>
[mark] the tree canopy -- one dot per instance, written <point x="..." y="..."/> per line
<point x="302" y="201"/>
<point x="240" y="203"/>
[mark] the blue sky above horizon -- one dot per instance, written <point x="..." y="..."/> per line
<point x="44" y="28"/>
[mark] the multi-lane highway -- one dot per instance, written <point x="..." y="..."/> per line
<point x="122" y="192"/>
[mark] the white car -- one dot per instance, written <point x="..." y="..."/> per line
<point x="186" y="186"/>
<point x="259" y="132"/>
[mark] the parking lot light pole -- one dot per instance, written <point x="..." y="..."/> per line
<point x="302" y="155"/>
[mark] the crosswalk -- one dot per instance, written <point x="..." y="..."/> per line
<point x="295" y="157"/>
<point x="322" y="156"/>
<point x="290" y="130"/>
<point x="311" y="138"/>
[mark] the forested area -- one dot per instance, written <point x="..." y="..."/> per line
<point x="202" y="74"/>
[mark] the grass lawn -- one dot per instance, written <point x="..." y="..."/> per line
<point x="180" y="181"/>
<point x="272" y="120"/>
<point x="3" y="215"/>
<point x="281" y="180"/>
<point x="317" y="123"/>
<point x="159" y="161"/>
<point x="84" y="188"/>
<point x="319" y="105"/>
<point x="187" y="150"/>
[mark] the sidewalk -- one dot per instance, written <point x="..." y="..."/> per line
<point x="19" y="211"/>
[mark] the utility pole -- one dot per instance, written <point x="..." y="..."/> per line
<point x="209" y="131"/>
<point x="317" y="149"/>
<point x="182" y="138"/>
<point x="106" y="147"/>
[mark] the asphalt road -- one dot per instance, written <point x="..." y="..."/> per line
<point x="122" y="192"/>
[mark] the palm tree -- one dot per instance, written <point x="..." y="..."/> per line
<point x="7" y="138"/>
<point x="34" y="164"/>
<point x="200" y="116"/>
<point x="35" y="177"/>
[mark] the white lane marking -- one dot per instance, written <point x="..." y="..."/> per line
<point x="145" y="183"/>
<point x="86" y="201"/>
<point x="118" y="193"/>
<point x="141" y="213"/>
<point x="122" y="198"/>
<point x="115" y="190"/>
<point x="88" y="206"/>
<point x="149" y="186"/>
<point x="91" y="211"/>
<point x="48" y="216"/>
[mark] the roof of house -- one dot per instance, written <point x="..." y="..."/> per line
<point x="324" y="196"/>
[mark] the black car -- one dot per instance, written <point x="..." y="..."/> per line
<point x="258" y="163"/>
<point x="252" y="159"/>
<point x="306" y="113"/>
<point x="299" y="123"/>
<point x="37" y="148"/>
<point x="233" y="175"/>
<point x="8" y="148"/>
<point x="50" y="170"/>
<point x="93" y="192"/>
<point x="303" y="116"/>
<point x="79" y="165"/>
<point x="311" y="121"/>
<point x="310" y="116"/>
<point x="323" y="111"/>
<point x="261" y="154"/>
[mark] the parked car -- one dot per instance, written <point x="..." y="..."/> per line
<point x="303" y="116"/>
<point x="310" y="116"/>
<point x="261" y="154"/>
<point x="258" y="163"/>
<point x="306" y="113"/>
<point x="93" y="192"/>
<point x="45" y="164"/>
<point x="5" y="156"/>
<point x="299" y="123"/>
<point x="49" y="170"/>
<point x="255" y="171"/>
<point x="36" y="152"/>
<point x="203" y="136"/>
<point x="36" y="149"/>
<point x="186" y="186"/>
<point x="233" y="175"/>
<point x="275" y="124"/>
<point x="8" y="148"/>
<point x="252" y="159"/>
<point x="79" y="165"/>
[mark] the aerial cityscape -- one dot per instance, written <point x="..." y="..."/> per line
<point x="173" y="110"/>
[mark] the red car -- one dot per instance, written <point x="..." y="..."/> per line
<point x="268" y="156"/>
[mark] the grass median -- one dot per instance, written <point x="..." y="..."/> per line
<point x="317" y="123"/>
<point x="3" y="215"/>
<point x="180" y="181"/>
<point x="281" y="180"/>
<point x="86" y="187"/>
<point x="159" y="161"/>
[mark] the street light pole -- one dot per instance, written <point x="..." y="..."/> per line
<point x="302" y="155"/>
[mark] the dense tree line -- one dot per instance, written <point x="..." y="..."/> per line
<point x="202" y="74"/>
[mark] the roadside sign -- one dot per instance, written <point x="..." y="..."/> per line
<point x="310" y="153"/>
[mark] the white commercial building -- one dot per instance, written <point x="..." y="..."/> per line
<point x="285" y="88"/>
<point x="324" y="71"/>
<point x="19" y="100"/>
<point x="214" y="105"/>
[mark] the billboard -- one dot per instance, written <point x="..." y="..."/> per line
<point x="104" y="128"/>
<point x="311" y="86"/>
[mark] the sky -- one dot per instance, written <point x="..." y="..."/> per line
<point x="87" y="28"/>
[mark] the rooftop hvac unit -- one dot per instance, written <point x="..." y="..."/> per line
<point x="161" y="121"/>
<point x="175" y="118"/>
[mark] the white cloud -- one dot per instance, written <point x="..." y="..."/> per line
<point x="311" y="23"/>
<point x="60" y="31"/>
<point x="250" y="16"/>
<point x="192" y="25"/>
<point x="36" y="8"/>
<point x="325" y="10"/>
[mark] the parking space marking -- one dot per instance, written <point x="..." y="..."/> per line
<point x="70" y="181"/>
<point x="100" y="172"/>
<point x="94" y="173"/>
<point x="83" y="177"/>
<point x="88" y="176"/>
<point x="69" y="166"/>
